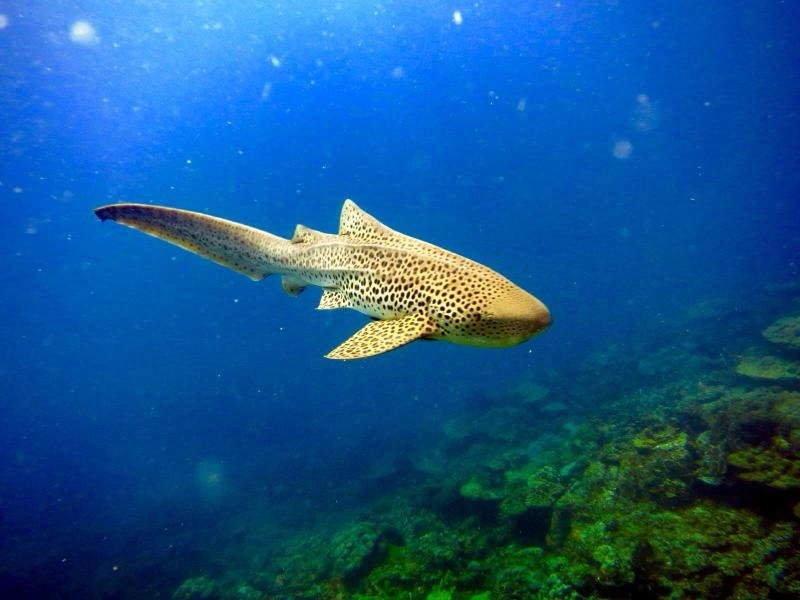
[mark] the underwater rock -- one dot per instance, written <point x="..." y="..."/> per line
<point x="759" y="434"/>
<point x="702" y="551"/>
<point x="667" y="440"/>
<point x="664" y="362"/>
<point x="543" y="488"/>
<point x="767" y="367"/>
<point x="440" y="595"/>
<point x="359" y="549"/>
<point x="244" y="591"/>
<point x="711" y="458"/>
<point x="775" y="466"/>
<point x="552" y="408"/>
<point x="439" y="556"/>
<point x="785" y="332"/>
<point x="530" y="392"/>
<point x="497" y="424"/>
<point x="475" y="490"/>
<point x="741" y="416"/>
<point x="787" y="412"/>
<point x="477" y="498"/>
<point x="660" y="468"/>
<point x="524" y="491"/>
<point x="196" y="588"/>
<point x="712" y="311"/>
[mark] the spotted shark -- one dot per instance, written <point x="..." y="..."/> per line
<point x="411" y="289"/>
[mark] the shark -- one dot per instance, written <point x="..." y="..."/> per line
<point x="410" y="289"/>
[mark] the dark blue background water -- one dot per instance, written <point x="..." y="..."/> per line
<point x="136" y="377"/>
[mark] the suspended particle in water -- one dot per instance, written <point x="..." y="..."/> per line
<point x="622" y="149"/>
<point x="83" y="33"/>
<point x="646" y="113"/>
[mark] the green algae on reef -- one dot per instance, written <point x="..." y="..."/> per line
<point x="768" y="367"/>
<point x="785" y="331"/>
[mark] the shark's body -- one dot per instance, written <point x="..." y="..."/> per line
<point x="412" y="289"/>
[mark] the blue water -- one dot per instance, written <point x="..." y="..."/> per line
<point x="622" y="161"/>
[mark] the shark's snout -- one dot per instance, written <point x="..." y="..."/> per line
<point x="517" y="316"/>
<point x="539" y="316"/>
<point x="534" y="316"/>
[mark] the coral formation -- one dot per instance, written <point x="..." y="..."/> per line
<point x="768" y="367"/>
<point x="685" y="485"/>
<point x="356" y="550"/>
<point x="196" y="588"/>
<point x="785" y="331"/>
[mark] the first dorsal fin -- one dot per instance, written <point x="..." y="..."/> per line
<point x="357" y="224"/>
<point x="361" y="227"/>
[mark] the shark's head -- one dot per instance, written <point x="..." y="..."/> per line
<point x="507" y="317"/>
<point x="514" y="317"/>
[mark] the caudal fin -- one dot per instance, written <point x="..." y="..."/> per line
<point x="233" y="245"/>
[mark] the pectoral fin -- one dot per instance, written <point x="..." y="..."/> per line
<point x="292" y="285"/>
<point x="381" y="336"/>
<point x="333" y="299"/>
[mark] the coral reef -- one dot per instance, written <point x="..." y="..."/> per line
<point x="768" y="367"/>
<point x="683" y="483"/>
<point x="356" y="550"/>
<point x="785" y="331"/>
<point x="196" y="588"/>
